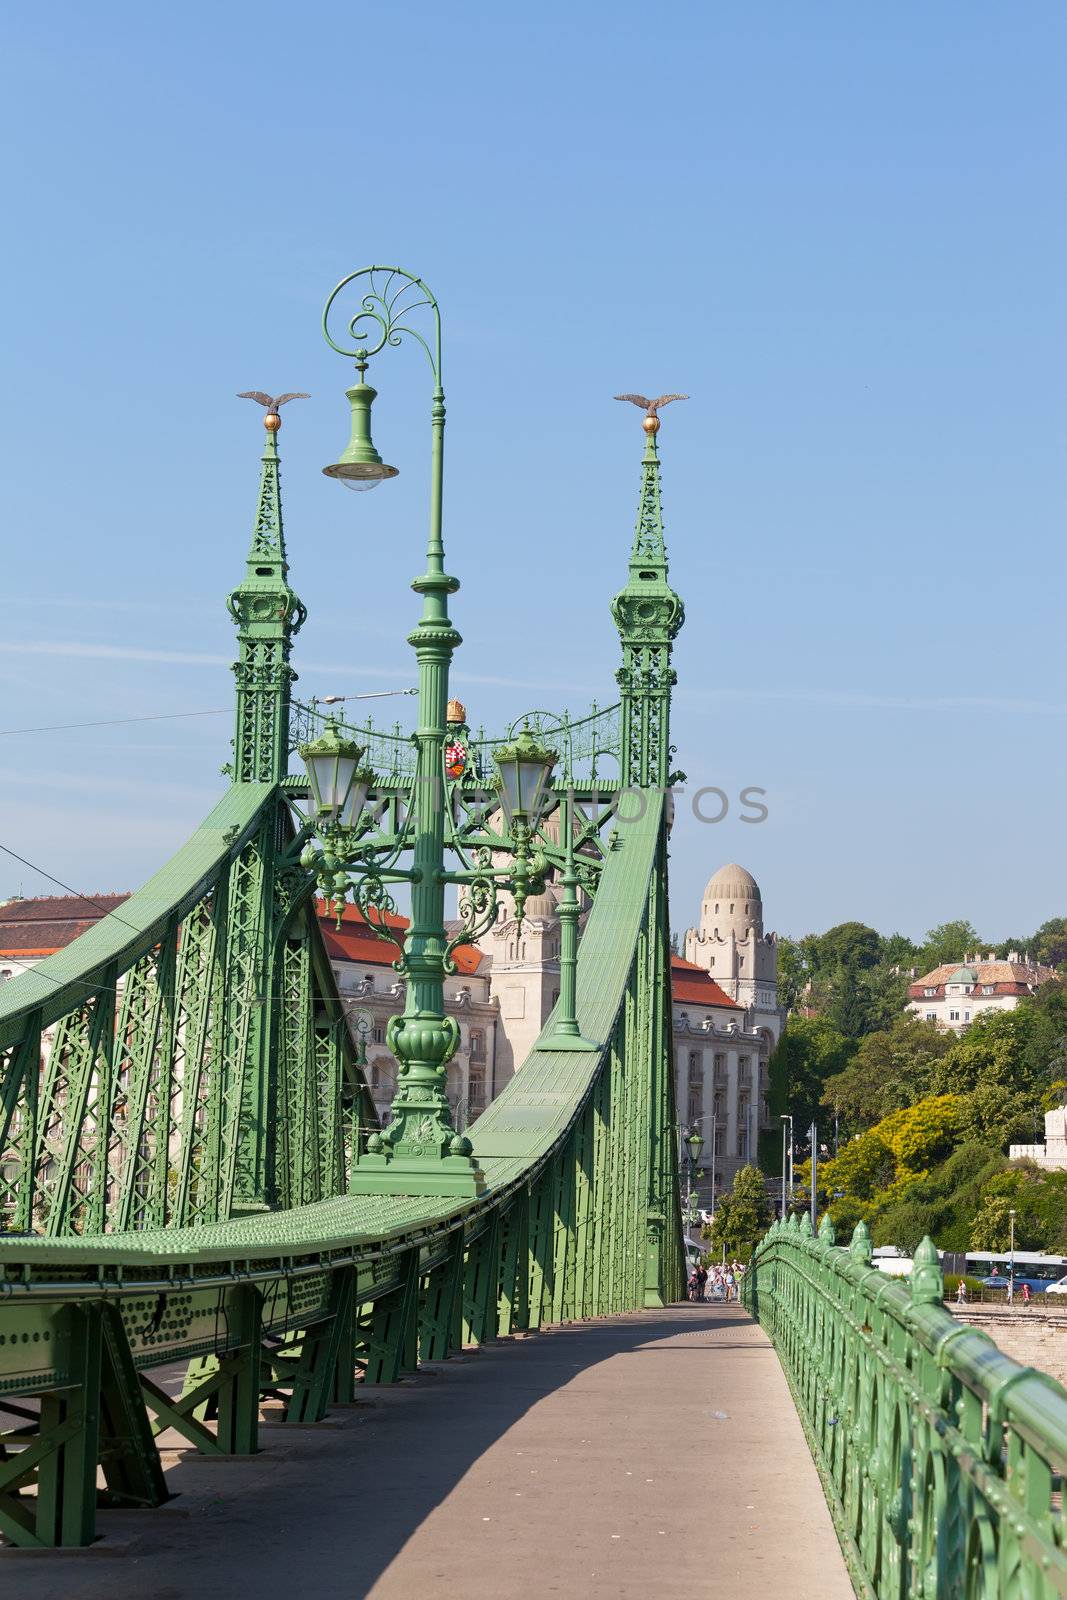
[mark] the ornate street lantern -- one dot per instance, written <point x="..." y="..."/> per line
<point x="339" y="785"/>
<point x="694" y="1144"/>
<point x="360" y="466"/>
<point x="524" y="769"/>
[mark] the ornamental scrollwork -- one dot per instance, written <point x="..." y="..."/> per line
<point x="477" y="907"/>
<point x="390" y="297"/>
<point x="375" y="905"/>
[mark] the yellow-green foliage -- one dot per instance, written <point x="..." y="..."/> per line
<point x="901" y="1147"/>
<point x="922" y="1134"/>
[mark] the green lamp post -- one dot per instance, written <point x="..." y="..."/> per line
<point x="419" y="1152"/>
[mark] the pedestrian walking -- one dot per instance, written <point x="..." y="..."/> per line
<point x="961" y="1293"/>
<point x="1026" y="1296"/>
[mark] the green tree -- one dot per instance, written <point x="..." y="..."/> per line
<point x="794" y="970"/>
<point x="989" y="1052"/>
<point x="900" y="951"/>
<point x="997" y="1116"/>
<point x="742" y="1216"/>
<point x="850" y="945"/>
<point x="863" y="1002"/>
<point x="991" y="1228"/>
<point x="809" y="1051"/>
<point x="949" y="941"/>
<point x="1049" y="943"/>
<point x="922" y="1134"/>
<point x="907" y="1223"/>
<point x="891" y="1068"/>
<point x="863" y="1167"/>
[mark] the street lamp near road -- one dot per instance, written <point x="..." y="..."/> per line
<point x="1011" y="1256"/>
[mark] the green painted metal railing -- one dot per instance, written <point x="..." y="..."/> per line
<point x="942" y="1459"/>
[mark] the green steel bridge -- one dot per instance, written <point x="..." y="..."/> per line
<point x="192" y="1169"/>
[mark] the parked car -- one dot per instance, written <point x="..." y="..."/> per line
<point x="994" y="1281"/>
<point x="1057" y="1288"/>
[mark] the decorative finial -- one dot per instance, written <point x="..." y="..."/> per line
<point x="860" y="1247"/>
<point x="651" y="407"/>
<point x="272" y="421"/>
<point x="927" y="1284"/>
<point x="456" y="712"/>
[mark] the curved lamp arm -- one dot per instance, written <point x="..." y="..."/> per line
<point x="391" y="296"/>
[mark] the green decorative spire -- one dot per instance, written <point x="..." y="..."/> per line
<point x="927" y="1284"/>
<point x="268" y="614"/>
<point x="648" y="615"/>
<point x="860" y="1247"/>
<point x="826" y="1230"/>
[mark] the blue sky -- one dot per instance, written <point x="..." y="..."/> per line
<point x="841" y="229"/>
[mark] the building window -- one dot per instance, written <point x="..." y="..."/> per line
<point x="931" y="1016"/>
<point x="477" y="1044"/>
<point x="476" y="1087"/>
<point x="966" y="1016"/>
<point x="953" y="1016"/>
<point x="987" y="988"/>
<point x="378" y="1035"/>
<point x="929" y="993"/>
<point x="695" y="1096"/>
<point x="720" y="1069"/>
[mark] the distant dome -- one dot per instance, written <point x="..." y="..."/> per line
<point x="541" y="907"/>
<point x="732" y="883"/>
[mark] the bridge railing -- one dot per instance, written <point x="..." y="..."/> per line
<point x="942" y="1459"/>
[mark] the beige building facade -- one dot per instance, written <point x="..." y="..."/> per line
<point x="727" y="1022"/>
<point x="955" y="994"/>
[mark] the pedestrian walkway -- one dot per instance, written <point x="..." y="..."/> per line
<point x="656" y="1454"/>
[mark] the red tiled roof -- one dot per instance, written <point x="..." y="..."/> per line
<point x="1006" y="977"/>
<point x="352" y="941"/>
<point x="696" y="986"/>
<point x="46" y="923"/>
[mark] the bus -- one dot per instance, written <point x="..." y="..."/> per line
<point x="1032" y="1267"/>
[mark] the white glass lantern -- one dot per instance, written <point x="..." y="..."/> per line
<point x="339" y="785"/>
<point x="524" y="770"/>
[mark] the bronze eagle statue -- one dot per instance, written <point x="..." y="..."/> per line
<point x="651" y="406"/>
<point x="270" y="404"/>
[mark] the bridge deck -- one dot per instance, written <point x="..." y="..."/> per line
<point x="652" y="1454"/>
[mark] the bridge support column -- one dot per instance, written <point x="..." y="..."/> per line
<point x="325" y="1369"/>
<point x="63" y="1453"/>
<point x="514" y="1301"/>
<point x="388" y="1333"/>
<point x="128" y="1455"/>
<point x="481" y="1283"/>
<point x="441" y="1309"/>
